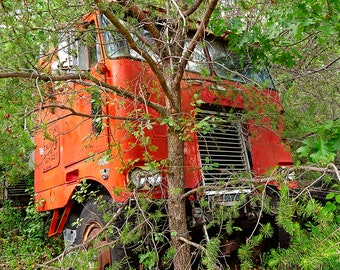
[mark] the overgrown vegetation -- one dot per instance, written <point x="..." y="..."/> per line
<point x="295" y="218"/>
<point x="300" y="40"/>
<point x="313" y="227"/>
<point x="23" y="237"/>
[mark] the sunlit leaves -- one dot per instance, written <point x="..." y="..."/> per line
<point x="272" y="30"/>
<point x="324" y="143"/>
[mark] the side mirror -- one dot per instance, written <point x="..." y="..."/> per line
<point x="101" y="68"/>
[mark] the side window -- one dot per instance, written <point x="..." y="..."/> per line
<point x="150" y="42"/>
<point x="115" y="44"/>
<point x="228" y="65"/>
<point x="67" y="51"/>
<point x="78" y="49"/>
<point x="198" y="62"/>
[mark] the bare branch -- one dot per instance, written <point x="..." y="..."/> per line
<point x="197" y="37"/>
<point x="145" y="20"/>
<point x="76" y="113"/>
<point x="193" y="8"/>
<point x="42" y="77"/>
<point x="323" y="171"/>
<point x="198" y="246"/>
<point x="325" y="67"/>
<point x="330" y="168"/>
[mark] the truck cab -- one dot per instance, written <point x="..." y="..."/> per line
<point x="91" y="133"/>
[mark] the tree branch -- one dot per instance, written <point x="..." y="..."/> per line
<point x="80" y="79"/>
<point x="133" y="45"/>
<point x="42" y="77"/>
<point x="123" y="93"/>
<point x="193" y="8"/>
<point x="324" y="67"/>
<point x="145" y="20"/>
<point x="197" y="37"/>
<point x="330" y="168"/>
<point x="76" y="113"/>
<point x="198" y="246"/>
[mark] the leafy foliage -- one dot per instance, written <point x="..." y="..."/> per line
<point x="15" y="141"/>
<point x="300" y="40"/>
<point x="309" y="224"/>
<point x="23" y="237"/>
<point x="271" y="30"/>
<point x="323" y="145"/>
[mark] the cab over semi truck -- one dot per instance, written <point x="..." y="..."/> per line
<point x="110" y="152"/>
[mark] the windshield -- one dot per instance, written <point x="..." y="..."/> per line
<point x="225" y="63"/>
<point x="115" y="43"/>
<point x="198" y="61"/>
<point x="228" y="65"/>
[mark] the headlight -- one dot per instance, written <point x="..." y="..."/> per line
<point x="154" y="179"/>
<point x="140" y="177"/>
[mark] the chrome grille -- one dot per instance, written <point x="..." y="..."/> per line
<point x="222" y="147"/>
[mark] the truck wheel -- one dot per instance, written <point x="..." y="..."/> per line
<point x="91" y="224"/>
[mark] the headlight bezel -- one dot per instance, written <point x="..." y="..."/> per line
<point x="141" y="177"/>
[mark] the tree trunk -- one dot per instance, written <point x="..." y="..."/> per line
<point x="176" y="206"/>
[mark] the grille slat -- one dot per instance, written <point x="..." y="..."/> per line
<point x="222" y="147"/>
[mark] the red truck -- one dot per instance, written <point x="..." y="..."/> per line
<point x="105" y="150"/>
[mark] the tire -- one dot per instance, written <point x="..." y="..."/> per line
<point x="92" y="222"/>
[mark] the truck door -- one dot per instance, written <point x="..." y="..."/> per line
<point x="84" y="136"/>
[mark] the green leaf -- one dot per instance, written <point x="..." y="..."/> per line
<point x="303" y="150"/>
<point x="336" y="142"/>
<point x="330" y="196"/>
<point x="337" y="198"/>
<point x="173" y="233"/>
<point x="323" y="154"/>
<point x="330" y="206"/>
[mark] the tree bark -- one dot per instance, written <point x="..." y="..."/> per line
<point x="176" y="205"/>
